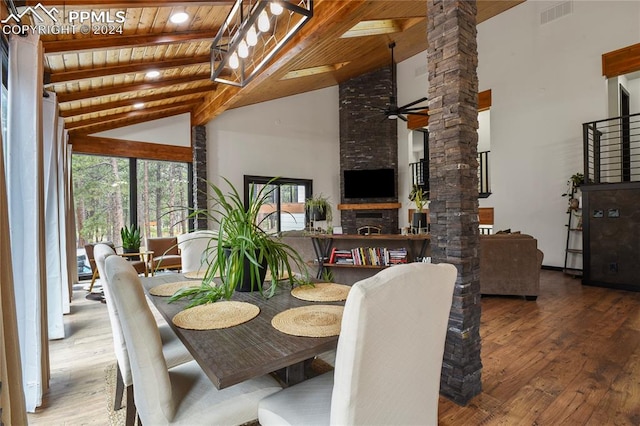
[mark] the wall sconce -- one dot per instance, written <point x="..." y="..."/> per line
<point x="252" y="34"/>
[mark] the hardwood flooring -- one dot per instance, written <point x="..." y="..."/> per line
<point x="572" y="358"/>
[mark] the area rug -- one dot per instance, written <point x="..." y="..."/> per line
<point x="117" y="418"/>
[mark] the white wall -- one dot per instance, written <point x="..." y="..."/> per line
<point x="294" y="137"/>
<point x="546" y="80"/>
<point x="165" y="131"/>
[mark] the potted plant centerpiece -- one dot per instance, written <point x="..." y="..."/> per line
<point x="243" y="250"/>
<point x="419" y="197"/>
<point x="318" y="208"/>
<point x="131" y="239"/>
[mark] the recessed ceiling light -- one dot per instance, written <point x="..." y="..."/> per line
<point x="179" y="17"/>
<point x="138" y="105"/>
<point x="153" y="74"/>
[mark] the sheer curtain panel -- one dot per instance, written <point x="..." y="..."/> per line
<point x="11" y="396"/>
<point x="24" y="174"/>
<point x="57" y="287"/>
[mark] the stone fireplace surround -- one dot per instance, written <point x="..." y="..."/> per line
<point x="368" y="140"/>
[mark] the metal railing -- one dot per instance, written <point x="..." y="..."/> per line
<point x="420" y="174"/>
<point x="612" y="150"/>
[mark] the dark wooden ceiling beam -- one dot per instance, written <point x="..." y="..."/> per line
<point x="129" y="102"/>
<point x="129" y="121"/>
<point x="125" y="115"/>
<point x="123" y="41"/>
<point x="133" y="87"/>
<point x="98" y="145"/>
<point x="82" y="74"/>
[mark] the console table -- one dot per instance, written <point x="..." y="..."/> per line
<point x="416" y="246"/>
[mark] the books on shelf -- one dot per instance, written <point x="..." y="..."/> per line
<point x="368" y="256"/>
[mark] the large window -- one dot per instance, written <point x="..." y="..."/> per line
<point x="286" y="210"/>
<point x="111" y="192"/>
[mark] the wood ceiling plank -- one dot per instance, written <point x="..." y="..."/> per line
<point x="129" y="114"/>
<point x="128" y="121"/>
<point x="88" y="109"/>
<point x="128" y="68"/>
<point x="131" y="87"/>
<point x="100" y="4"/>
<point x="97" y="145"/>
<point x="134" y="40"/>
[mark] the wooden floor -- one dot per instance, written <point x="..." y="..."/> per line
<point x="570" y="358"/>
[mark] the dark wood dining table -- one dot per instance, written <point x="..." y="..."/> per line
<point x="232" y="355"/>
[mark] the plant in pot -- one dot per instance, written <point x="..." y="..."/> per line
<point x="131" y="239"/>
<point x="243" y="250"/>
<point x="420" y="197"/>
<point x="318" y="208"/>
<point x="573" y="184"/>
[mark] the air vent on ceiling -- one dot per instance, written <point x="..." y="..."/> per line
<point x="555" y="12"/>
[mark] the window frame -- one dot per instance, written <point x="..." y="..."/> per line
<point x="279" y="181"/>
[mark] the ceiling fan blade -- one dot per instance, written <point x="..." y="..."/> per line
<point x="426" y="114"/>
<point x="414" y="109"/>
<point x="410" y="104"/>
<point x="402" y="117"/>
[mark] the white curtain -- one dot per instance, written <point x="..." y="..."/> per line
<point x="57" y="285"/>
<point x="67" y="279"/>
<point x="26" y="211"/>
<point x="70" y="214"/>
<point x="11" y="396"/>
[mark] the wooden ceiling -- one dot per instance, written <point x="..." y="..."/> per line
<point x="99" y="78"/>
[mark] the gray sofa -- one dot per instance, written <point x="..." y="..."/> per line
<point x="510" y="265"/>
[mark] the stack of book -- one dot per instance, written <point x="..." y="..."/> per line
<point x="368" y="256"/>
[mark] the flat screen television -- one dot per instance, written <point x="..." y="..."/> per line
<point x="369" y="183"/>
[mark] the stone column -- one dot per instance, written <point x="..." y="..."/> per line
<point x="453" y="143"/>
<point x="199" y="144"/>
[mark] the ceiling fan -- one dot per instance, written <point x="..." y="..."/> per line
<point x="393" y="111"/>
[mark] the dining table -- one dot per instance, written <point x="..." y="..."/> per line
<point x="232" y="355"/>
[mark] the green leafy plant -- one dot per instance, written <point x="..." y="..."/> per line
<point x="574" y="183"/>
<point x="319" y="204"/>
<point x="240" y="240"/>
<point x="131" y="238"/>
<point x="418" y="196"/>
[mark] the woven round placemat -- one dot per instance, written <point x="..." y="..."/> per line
<point x="310" y="321"/>
<point x="322" y="292"/>
<point x="169" y="289"/>
<point x="194" y="275"/>
<point x="216" y="315"/>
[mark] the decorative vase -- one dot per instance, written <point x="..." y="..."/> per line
<point x="315" y="214"/>
<point x="245" y="285"/>
<point x="419" y="220"/>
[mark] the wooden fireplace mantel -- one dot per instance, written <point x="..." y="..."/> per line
<point x="370" y="206"/>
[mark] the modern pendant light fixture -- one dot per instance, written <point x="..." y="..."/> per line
<point x="252" y="34"/>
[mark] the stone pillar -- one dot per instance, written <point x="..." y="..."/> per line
<point x="199" y="144"/>
<point x="452" y="59"/>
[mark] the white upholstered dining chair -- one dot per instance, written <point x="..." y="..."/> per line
<point x="175" y="353"/>
<point x="183" y="394"/>
<point x="196" y="250"/>
<point x="388" y="359"/>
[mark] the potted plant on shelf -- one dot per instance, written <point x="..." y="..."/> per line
<point x="131" y="239"/>
<point x="420" y="197"/>
<point x="243" y="250"/>
<point x="573" y="184"/>
<point x="318" y="208"/>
